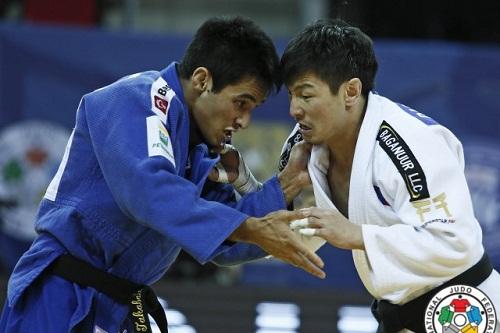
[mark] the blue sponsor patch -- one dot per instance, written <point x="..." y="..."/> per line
<point x="420" y="116"/>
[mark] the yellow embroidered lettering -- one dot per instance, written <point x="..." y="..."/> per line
<point x="440" y="202"/>
<point x="422" y="207"/>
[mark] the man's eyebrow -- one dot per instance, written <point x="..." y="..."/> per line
<point x="247" y="96"/>
<point x="302" y="86"/>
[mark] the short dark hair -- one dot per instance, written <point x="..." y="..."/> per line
<point x="334" y="51"/>
<point x="232" y="48"/>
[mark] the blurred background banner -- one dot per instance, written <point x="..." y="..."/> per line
<point x="46" y="70"/>
<point x="30" y="153"/>
<point x="52" y="53"/>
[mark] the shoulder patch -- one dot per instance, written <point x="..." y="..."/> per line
<point x="159" y="143"/>
<point x="161" y="97"/>
<point x="287" y="148"/>
<point x="404" y="160"/>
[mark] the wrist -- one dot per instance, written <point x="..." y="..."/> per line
<point x="290" y="186"/>
<point x="245" y="232"/>
<point x="358" y="241"/>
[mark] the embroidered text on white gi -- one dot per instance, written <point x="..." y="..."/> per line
<point x="398" y="151"/>
<point x="404" y="160"/>
<point x="424" y="206"/>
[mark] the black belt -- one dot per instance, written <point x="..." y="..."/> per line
<point x="393" y="318"/>
<point x="141" y="299"/>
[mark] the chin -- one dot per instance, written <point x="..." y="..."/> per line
<point x="310" y="140"/>
<point x="215" y="150"/>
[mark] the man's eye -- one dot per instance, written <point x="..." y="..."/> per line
<point x="306" y="97"/>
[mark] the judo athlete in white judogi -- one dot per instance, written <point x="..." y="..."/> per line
<point x="388" y="181"/>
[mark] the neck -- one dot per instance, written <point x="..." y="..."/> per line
<point x="343" y="146"/>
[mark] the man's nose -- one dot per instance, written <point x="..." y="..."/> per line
<point x="295" y="110"/>
<point x="244" y="120"/>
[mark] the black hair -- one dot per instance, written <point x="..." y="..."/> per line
<point x="232" y="48"/>
<point x="334" y="51"/>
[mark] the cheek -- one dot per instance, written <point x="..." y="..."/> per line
<point x="318" y="113"/>
<point x="226" y="113"/>
<point x="211" y="112"/>
<point x="325" y="120"/>
<point x="218" y="115"/>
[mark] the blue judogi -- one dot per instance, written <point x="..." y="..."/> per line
<point x="128" y="196"/>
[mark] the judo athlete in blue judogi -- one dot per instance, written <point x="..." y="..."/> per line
<point x="132" y="190"/>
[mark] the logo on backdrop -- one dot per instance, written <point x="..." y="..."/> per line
<point x="460" y="309"/>
<point x="482" y="169"/>
<point x="30" y="153"/>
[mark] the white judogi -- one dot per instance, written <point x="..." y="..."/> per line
<point x="420" y="230"/>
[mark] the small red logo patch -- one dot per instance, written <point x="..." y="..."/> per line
<point x="161" y="104"/>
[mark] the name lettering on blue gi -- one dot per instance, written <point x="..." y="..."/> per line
<point x="404" y="160"/>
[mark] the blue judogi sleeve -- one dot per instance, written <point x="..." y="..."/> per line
<point x="147" y="188"/>
<point x="268" y="199"/>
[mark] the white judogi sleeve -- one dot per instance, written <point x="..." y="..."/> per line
<point x="429" y="234"/>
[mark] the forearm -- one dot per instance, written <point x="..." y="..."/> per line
<point x="238" y="254"/>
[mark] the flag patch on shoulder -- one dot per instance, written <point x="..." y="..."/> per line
<point x="159" y="143"/>
<point x="161" y="98"/>
<point x="404" y="160"/>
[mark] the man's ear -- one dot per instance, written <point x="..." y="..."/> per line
<point x="201" y="79"/>
<point x="352" y="91"/>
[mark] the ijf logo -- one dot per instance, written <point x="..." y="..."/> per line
<point x="460" y="308"/>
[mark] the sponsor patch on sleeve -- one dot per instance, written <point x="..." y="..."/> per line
<point x="404" y="160"/>
<point x="161" y="97"/>
<point x="159" y="143"/>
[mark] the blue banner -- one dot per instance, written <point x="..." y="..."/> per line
<point x="44" y="71"/>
